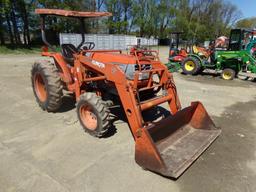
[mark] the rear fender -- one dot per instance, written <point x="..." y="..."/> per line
<point x="60" y="64"/>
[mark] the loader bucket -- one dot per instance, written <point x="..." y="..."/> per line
<point x="170" y="146"/>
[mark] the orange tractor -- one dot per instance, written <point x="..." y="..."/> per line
<point x="99" y="78"/>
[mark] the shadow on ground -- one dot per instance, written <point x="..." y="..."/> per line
<point x="117" y="113"/>
<point x="215" y="79"/>
<point x="230" y="163"/>
<point x="69" y="103"/>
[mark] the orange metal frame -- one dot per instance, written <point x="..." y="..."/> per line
<point x="104" y="67"/>
<point x="67" y="13"/>
<point x="101" y="63"/>
<point x="75" y="77"/>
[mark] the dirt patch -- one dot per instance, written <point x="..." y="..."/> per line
<point x="230" y="161"/>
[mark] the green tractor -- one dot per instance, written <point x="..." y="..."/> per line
<point x="240" y="57"/>
<point x="180" y="50"/>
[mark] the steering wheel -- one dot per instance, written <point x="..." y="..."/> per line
<point x="90" y="46"/>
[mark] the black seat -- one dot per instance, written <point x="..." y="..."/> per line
<point x="67" y="51"/>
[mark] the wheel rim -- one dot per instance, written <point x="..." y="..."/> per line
<point x="190" y="65"/>
<point x="227" y="75"/>
<point x="88" y="117"/>
<point x="39" y="87"/>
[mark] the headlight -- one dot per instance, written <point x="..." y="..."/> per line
<point x="143" y="76"/>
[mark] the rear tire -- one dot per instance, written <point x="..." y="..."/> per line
<point x="93" y="114"/>
<point x="191" y="66"/>
<point x="228" y="74"/>
<point x="47" y="85"/>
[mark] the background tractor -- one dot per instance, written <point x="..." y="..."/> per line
<point x="99" y="79"/>
<point x="177" y="51"/>
<point x="238" y="58"/>
<point x="180" y="50"/>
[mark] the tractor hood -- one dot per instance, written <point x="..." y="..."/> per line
<point x="114" y="58"/>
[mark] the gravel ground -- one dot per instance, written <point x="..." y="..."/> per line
<point x="42" y="151"/>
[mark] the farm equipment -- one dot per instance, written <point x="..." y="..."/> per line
<point x="101" y="78"/>
<point x="176" y="54"/>
<point x="180" y="51"/>
<point x="238" y="58"/>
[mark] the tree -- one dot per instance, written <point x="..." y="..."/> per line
<point x="120" y="21"/>
<point x="2" y="30"/>
<point x="198" y="19"/>
<point x="248" y="23"/>
<point x="205" y="19"/>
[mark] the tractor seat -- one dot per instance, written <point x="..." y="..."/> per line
<point x="67" y="51"/>
<point x="195" y="49"/>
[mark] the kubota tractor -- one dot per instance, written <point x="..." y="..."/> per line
<point x="98" y="78"/>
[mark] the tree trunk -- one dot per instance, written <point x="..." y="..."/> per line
<point x="141" y="32"/>
<point x="126" y="17"/>
<point x="26" y="32"/>
<point x="14" y="24"/>
<point x="9" y="28"/>
<point x="111" y="29"/>
<point x="25" y="37"/>
<point x="2" y="40"/>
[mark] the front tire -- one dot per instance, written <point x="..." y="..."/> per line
<point x="47" y="85"/>
<point x="228" y="74"/>
<point x="191" y="66"/>
<point x="93" y="114"/>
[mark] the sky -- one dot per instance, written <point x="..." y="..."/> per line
<point x="248" y="7"/>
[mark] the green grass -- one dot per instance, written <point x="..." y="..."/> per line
<point x="23" y="50"/>
<point x="19" y="50"/>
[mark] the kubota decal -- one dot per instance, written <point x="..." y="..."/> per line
<point x="99" y="64"/>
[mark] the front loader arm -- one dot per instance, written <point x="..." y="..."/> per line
<point x="169" y="146"/>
